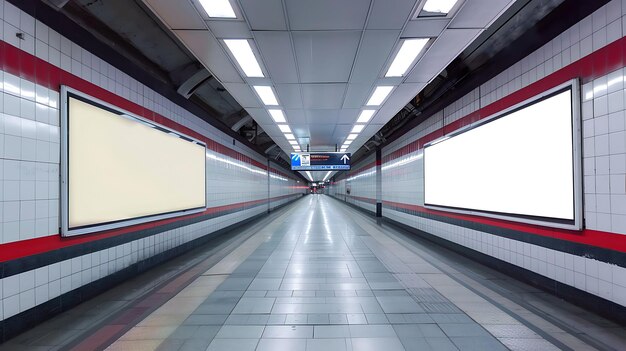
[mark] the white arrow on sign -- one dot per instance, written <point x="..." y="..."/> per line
<point x="345" y="158"/>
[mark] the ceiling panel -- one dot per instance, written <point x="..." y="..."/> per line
<point x="289" y="95"/>
<point x="323" y="96"/>
<point x="295" y="116"/>
<point x="260" y="115"/>
<point x="275" y="46"/>
<point x="264" y="15"/>
<point x="375" y="49"/>
<point x="301" y="131"/>
<point x="314" y="117"/>
<point x="341" y="131"/>
<point x="390" y="14"/>
<point x="348" y="116"/>
<point x="479" y="13"/>
<point x="272" y="130"/>
<point x="177" y="14"/>
<point x="327" y="14"/>
<point x="322" y="135"/>
<point x="357" y="95"/>
<point x="444" y="49"/>
<point x="230" y="29"/>
<point x="401" y="96"/>
<point x="243" y="94"/>
<point x="208" y="51"/>
<point x="425" y="27"/>
<point x="325" y="57"/>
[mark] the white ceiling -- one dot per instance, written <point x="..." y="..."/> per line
<point x="325" y="57"/>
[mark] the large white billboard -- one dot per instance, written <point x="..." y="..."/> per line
<point x="119" y="169"/>
<point x="522" y="164"/>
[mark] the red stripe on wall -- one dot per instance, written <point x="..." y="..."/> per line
<point x="34" y="69"/>
<point x="597" y="64"/>
<point x="606" y="240"/>
<point x="23" y="248"/>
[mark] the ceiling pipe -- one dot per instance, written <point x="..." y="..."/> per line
<point x="57" y="4"/>
<point x="242" y="122"/>
<point x="188" y="87"/>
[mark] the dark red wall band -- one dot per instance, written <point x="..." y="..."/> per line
<point x="29" y="67"/>
<point x="18" y="249"/>
<point x="595" y="65"/>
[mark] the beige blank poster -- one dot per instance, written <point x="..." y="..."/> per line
<point x="120" y="168"/>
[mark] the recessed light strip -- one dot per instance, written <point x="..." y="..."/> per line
<point x="439" y="6"/>
<point x="218" y="8"/>
<point x="242" y="51"/>
<point x="266" y="93"/>
<point x="406" y="56"/>
<point x="358" y="128"/>
<point x="379" y="95"/>
<point x="365" y="116"/>
<point x="277" y="115"/>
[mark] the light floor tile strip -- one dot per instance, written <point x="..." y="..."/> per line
<point x="154" y="329"/>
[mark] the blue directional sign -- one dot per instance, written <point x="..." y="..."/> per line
<point x="320" y="161"/>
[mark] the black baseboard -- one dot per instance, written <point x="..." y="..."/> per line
<point x="590" y="302"/>
<point x="365" y="210"/>
<point x="28" y="319"/>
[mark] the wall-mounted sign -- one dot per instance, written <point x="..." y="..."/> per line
<point x="320" y="161"/>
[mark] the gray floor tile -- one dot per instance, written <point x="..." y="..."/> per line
<point x="338" y="318"/>
<point x="398" y="304"/>
<point x="281" y="345"/>
<point x="240" y="332"/>
<point x="233" y="344"/>
<point x="377" y="344"/>
<point x="477" y="343"/>
<point x="464" y="329"/>
<point x="249" y="305"/>
<point x="288" y="332"/>
<point x="326" y="345"/>
<point x="371" y="331"/>
<point x="331" y="331"/>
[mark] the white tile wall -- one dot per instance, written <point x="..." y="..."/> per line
<point x="604" y="157"/>
<point x="29" y="167"/>
<point x="362" y="183"/>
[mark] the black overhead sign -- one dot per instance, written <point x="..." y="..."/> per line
<point x="320" y="161"/>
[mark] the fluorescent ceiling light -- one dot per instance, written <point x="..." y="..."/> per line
<point x="327" y="175"/>
<point x="293" y="142"/>
<point x="365" y="116"/>
<point x="284" y="128"/>
<point x="439" y="6"/>
<point x="266" y="94"/>
<point x="309" y="174"/>
<point x="406" y="56"/>
<point x="379" y="95"/>
<point x="242" y="51"/>
<point x="352" y="136"/>
<point x="290" y="136"/>
<point x="277" y="115"/>
<point x="218" y="8"/>
<point x="358" y="128"/>
<point x="344" y="149"/>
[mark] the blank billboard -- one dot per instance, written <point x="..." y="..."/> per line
<point x="522" y="163"/>
<point x="120" y="169"/>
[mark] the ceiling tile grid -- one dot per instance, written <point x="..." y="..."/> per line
<point x="323" y="59"/>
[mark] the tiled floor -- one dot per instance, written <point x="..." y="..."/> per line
<point x="322" y="276"/>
